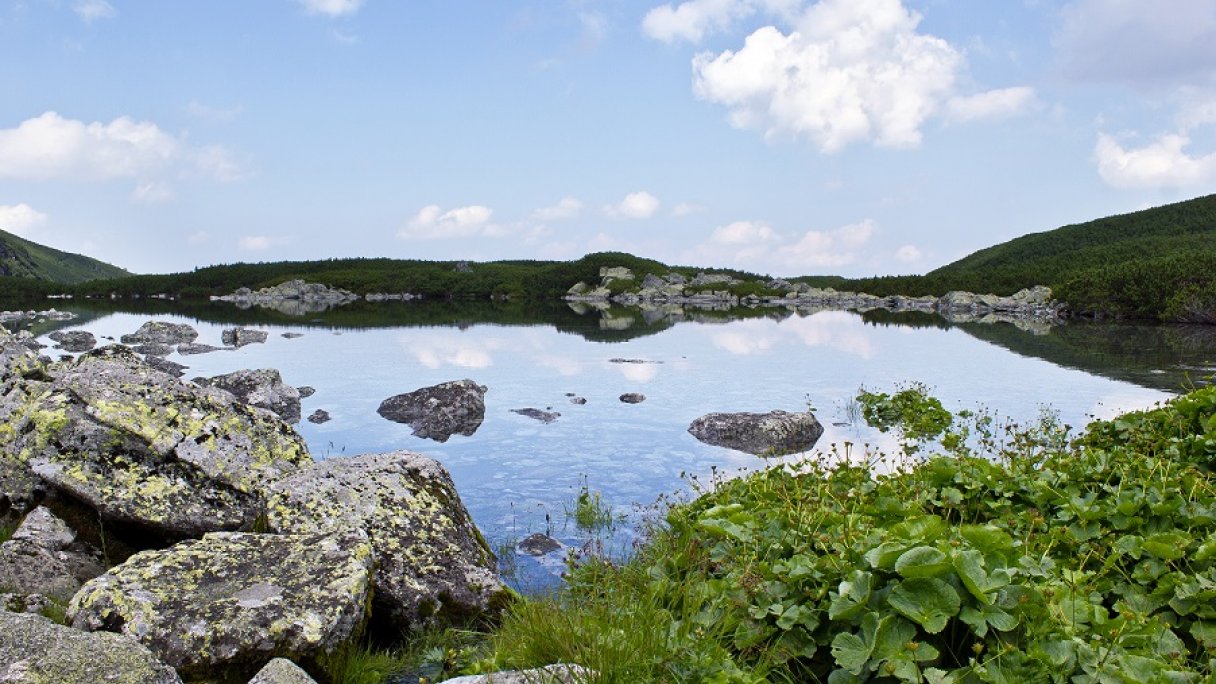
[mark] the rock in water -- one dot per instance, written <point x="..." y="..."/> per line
<point x="140" y="446"/>
<point x="164" y="365"/>
<point x="161" y="332"/>
<point x="319" y="416"/>
<point x="431" y="562"/>
<point x="195" y="348"/>
<point x="233" y="600"/>
<point x="440" y="411"/>
<point x="538" y="544"/>
<point x="632" y="398"/>
<point x="765" y="434"/>
<point x="239" y="337"/>
<point x="74" y="340"/>
<point x="34" y="650"/>
<point x="263" y="388"/>
<point x="537" y="414"/>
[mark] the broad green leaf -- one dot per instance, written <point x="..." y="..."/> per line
<point x="1167" y="545"/>
<point x="852" y="596"/>
<point x="936" y="676"/>
<point x="850" y="652"/>
<point x="883" y="556"/>
<point x="922" y="561"/>
<point x="925" y="528"/>
<point x="891" y="636"/>
<point x="1207" y="550"/>
<point x="1204" y="632"/>
<point x="928" y="601"/>
<point x="988" y="539"/>
<point x="969" y="564"/>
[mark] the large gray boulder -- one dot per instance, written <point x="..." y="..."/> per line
<point x="232" y="601"/>
<point x="22" y="374"/>
<point x="239" y="337"/>
<point x="263" y="388"/>
<point x="34" y="650"/>
<point x="431" y="562"/>
<point x="440" y="411"/>
<point x="765" y="434"/>
<point x="161" y="332"/>
<point x="73" y="340"/>
<point x="140" y="446"/>
<point x="43" y="557"/>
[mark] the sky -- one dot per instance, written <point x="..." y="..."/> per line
<point x="788" y="137"/>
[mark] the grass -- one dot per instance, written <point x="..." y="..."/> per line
<point x="6" y="532"/>
<point x="364" y="664"/>
<point x="590" y="512"/>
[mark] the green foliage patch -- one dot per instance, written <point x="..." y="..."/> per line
<point x="1039" y="560"/>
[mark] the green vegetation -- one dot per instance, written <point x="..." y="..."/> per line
<point x="23" y="259"/>
<point x="590" y="511"/>
<point x="1012" y="554"/>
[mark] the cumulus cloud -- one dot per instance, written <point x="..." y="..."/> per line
<point x="256" y="243"/>
<point x="635" y="205"/>
<point x="90" y="11"/>
<point x="686" y="209"/>
<point x="51" y="147"/>
<point x="1139" y="43"/>
<point x="1160" y="164"/>
<point x="331" y="8"/>
<point x="566" y="208"/>
<point x="991" y="104"/>
<point x="693" y="20"/>
<point x="20" y="219"/>
<point x="754" y="245"/>
<point x="851" y="71"/>
<point x="908" y="254"/>
<point x="742" y="233"/>
<point x="433" y="223"/>
<point x="827" y="248"/>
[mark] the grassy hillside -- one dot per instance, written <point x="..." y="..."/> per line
<point x="24" y="259"/>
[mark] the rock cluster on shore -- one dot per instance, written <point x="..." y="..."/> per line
<point x="189" y="533"/>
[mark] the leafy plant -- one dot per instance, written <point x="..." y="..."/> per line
<point x="590" y="511"/>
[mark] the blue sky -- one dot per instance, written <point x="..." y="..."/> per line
<point x="789" y="137"/>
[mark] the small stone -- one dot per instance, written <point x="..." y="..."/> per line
<point x="537" y="414"/>
<point x="319" y="416"/>
<point x="292" y="335"/>
<point x="192" y="348"/>
<point x="633" y="398"/>
<point x="578" y="401"/>
<point x="306" y="391"/>
<point x="538" y="544"/>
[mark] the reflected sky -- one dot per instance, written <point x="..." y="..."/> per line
<point x="518" y="476"/>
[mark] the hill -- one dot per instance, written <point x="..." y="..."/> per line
<point x="21" y="258"/>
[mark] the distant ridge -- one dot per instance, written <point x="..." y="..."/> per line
<point x="21" y="258"/>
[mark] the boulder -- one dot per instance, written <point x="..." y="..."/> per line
<point x="537" y="414"/>
<point x="632" y="398"/>
<point x="139" y="446"/>
<point x="440" y="411"/>
<point x="609" y="273"/>
<point x="282" y="671"/>
<point x="431" y="562"/>
<point x="653" y="282"/>
<point x="578" y="401"/>
<point x="239" y="337"/>
<point x="578" y="288"/>
<point x="765" y="434"/>
<point x="550" y="674"/>
<point x="164" y="365"/>
<point x="231" y="601"/>
<point x="42" y="557"/>
<point x="538" y="544"/>
<point x="319" y="416"/>
<point x="34" y="650"/>
<point x="153" y="349"/>
<point x="306" y="391"/>
<point x="195" y="348"/>
<point x="73" y="340"/>
<point x="161" y="332"/>
<point x="262" y="388"/>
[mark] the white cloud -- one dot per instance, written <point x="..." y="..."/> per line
<point x="755" y="246"/>
<point x="153" y="192"/>
<point x="256" y="243"/>
<point x="742" y="233"/>
<point x="693" y="20"/>
<point x="991" y="104"/>
<point x="852" y="71"/>
<point x="827" y="248"/>
<point x="331" y="8"/>
<point x="51" y="147"/>
<point x="20" y="219"/>
<point x="90" y="11"/>
<point x="433" y="223"/>
<point x="686" y="209"/>
<point x="1140" y="43"/>
<point x="1161" y="164"/>
<point x="566" y="208"/>
<point x="908" y="254"/>
<point x="635" y="205"/>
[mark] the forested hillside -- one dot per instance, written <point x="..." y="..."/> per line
<point x="24" y="259"/>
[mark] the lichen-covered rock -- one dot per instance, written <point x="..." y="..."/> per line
<point x="550" y="674"/>
<point x="439" y="411"/>
<point x="239" y="337"/>
<point x="161" y="332"/>
<point x="263" y="388"/>
<point x="43" y="557"/>
<point x="140" y="446"/>
<point x="765" y="434"/>
<point x="233" y="601"/>
<point x="153" y="349"/>
<point x="34" y="650"/>
<point x="431" y="560"/>
<point x="22" y="373"/>
<point x="73" y="340"/>
<point x="282" y="671"/>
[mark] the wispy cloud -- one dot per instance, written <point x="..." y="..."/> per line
<point x="635" y="205"/>
<point x="90" y="11"/>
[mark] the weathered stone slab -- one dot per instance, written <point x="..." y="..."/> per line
<point x="34" y="650"/>
<point x="764" y="434"/>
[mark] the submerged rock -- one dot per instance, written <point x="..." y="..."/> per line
<point x="140" y="446"/>
<point x="233" y="600"/>
<point x="34" y="650"/>
<point x="578" y="401"/>
<point x="537" y="414"/>
<point x="73" y="340"/>
<point x="239" y="337"/>
<point x="194" y="348"/>
<point x="161" y="332"/>
<point x="431" y="562"/>
<point x="765" y="434"/>
<point x="538" y="544"/>
<point x="439" y="411"/>
<point x="262" y="388"/>
<point x="632" y="398"/>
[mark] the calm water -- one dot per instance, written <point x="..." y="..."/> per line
<point x="518" y="476"/>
